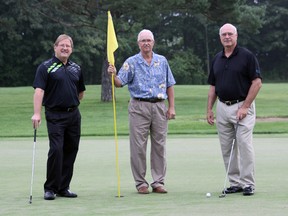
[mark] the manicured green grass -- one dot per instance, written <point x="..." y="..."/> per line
<point x="97" y="117"/>
<point x="195" y="167"/>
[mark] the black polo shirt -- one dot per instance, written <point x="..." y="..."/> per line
<point x="61" y="83"/>
<point x="233" y="76"/>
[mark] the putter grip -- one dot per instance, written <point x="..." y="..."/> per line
<point x="35" y="131"/>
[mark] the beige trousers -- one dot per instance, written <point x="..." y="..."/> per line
<point x="241" y="172"/>
<point x="145" y="118"/>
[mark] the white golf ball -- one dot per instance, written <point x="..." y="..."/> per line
<point x="208" y="195"/>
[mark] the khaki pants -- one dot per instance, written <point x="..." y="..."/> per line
<point x="241" y="172"/>
<point x="145" y="117"/>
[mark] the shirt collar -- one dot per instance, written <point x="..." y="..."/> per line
<point x="235" y="51"/>
<point x="58" y="61"/>
<point x="142" y="60"/>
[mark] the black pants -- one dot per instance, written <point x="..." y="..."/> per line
<point x="64" y="130"/>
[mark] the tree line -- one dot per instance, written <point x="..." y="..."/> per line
<point x="186" y="32"/>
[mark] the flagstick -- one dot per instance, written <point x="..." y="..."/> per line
<point x="112" y="45"/>
<point x="116" y="139"/>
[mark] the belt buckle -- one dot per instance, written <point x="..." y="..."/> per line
<point x="69" y="109"/>
<point x="228" y="103"/>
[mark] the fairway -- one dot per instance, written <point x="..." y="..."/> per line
<point x="195" y="167"/>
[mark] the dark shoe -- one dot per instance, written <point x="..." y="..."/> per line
<point x="248" y="191"/>
<point x="143" y="190"/>
<point x="67" y="193"/>
<point x="49" y="195"/>
<point x="159" y="189"/>
<point x="233" y="189"/>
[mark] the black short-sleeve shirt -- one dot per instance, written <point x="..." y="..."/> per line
<point x="61" y="83"/>
<point x="233" y="76"/>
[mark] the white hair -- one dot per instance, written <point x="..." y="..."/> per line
<point x="230" y="25"/>
<point x="145" y="31"/>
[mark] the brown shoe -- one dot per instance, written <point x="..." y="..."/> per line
<point x="159" y="189"/>
<point x="143" y="190"/>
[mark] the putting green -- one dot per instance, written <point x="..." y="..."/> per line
<point x="195" y="167"/>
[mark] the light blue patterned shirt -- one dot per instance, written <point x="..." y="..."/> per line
<point x="146" y="81"/>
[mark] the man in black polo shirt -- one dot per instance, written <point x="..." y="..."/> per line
<point x="59" y="87"/>
<point x="235" y="80"/>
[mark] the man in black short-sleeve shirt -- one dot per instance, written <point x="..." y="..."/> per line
<point x="232" y="76"/>
<point x="59" y="87"/>
<point x="235" y="80"/>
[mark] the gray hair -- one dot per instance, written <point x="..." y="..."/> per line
<point x="145" y="31"/>
<point x="230" y="25"/>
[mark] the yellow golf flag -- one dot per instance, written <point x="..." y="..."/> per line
<point x="112" y="43"/>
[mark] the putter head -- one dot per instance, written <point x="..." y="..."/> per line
<point x="222" y="195"/>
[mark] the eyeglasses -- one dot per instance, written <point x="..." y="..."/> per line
<point x="146" y="41"/>
<point x="227" y="33"/>
<point x="64" y="45"/>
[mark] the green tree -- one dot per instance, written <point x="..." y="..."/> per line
<point x="272" y="43"/>
<point x="186" y="32"/>
<point x="30" y="28"/>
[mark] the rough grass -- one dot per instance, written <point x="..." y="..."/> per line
<point x="98" y="120"/>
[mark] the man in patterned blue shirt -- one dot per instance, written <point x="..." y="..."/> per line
<point x="150" y="82"/>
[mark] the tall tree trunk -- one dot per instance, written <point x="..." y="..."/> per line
<point x="106" y="84"/>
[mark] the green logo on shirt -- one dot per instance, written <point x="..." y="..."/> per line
<point x="54" y="67"/>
